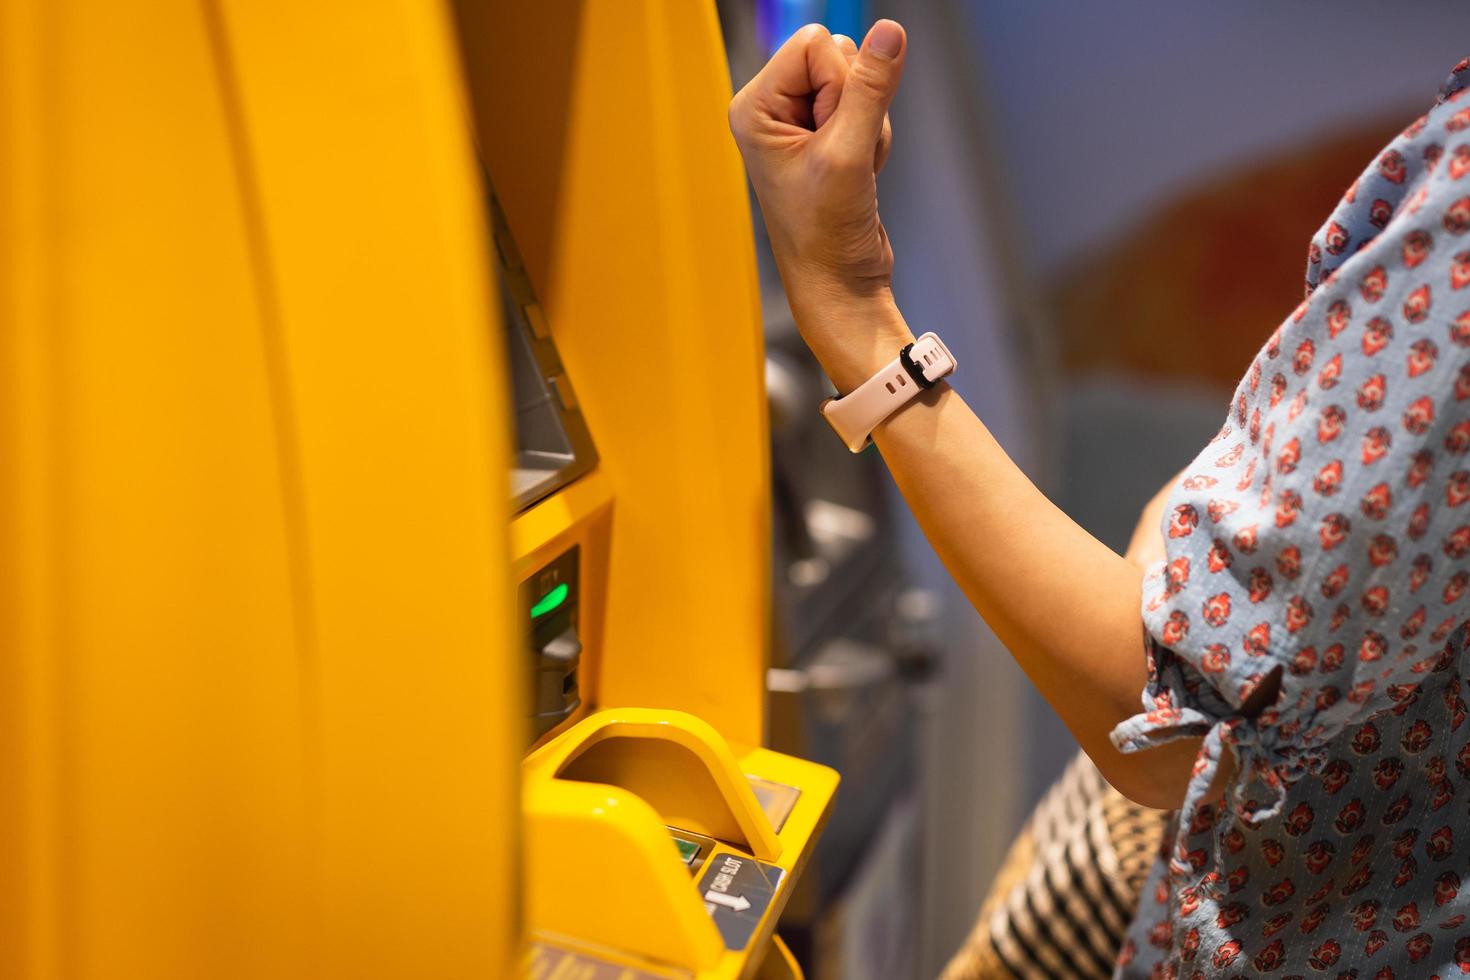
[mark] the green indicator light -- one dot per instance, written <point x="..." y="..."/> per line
<point x="688" y="850"/>
<point x="551" y="600"/>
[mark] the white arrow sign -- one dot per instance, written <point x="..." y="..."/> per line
<point x="737" y="902"/>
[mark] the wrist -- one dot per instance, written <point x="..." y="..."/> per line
<point x="853" y="334"/>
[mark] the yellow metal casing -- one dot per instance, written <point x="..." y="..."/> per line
<point x="779" y="963"/>
<point x="602" y="125"/>
<point x="600" y="866"/>
<point x="603" y="129"/>
<point x="254" y="609"/>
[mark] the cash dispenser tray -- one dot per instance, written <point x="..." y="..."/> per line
<point x="654" y="844"/>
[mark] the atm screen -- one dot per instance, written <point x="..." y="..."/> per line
<point x="553" y="446"/>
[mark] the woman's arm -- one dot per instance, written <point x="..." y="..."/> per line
<point x="811" y="127"/>
<point x="1064" y="604"/>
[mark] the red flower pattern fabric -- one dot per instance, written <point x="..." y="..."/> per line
<point x="1324" y="537"/>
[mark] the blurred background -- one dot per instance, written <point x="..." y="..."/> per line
<point x="1105" y="209"/>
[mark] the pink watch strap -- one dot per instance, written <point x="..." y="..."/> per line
<point x="856" y="414"/>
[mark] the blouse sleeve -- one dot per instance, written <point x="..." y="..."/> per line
<point x="1324" y="533"/>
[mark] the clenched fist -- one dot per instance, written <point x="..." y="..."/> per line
<point x="813" y="129"/>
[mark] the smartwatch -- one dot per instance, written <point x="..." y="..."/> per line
<point x="918" y="367"/>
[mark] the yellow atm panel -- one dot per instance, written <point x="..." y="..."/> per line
<point x="255" y="610"/>
<point x="603" y="131"/>
<point x="659" y="835"/>
<point x="359" y="615"/>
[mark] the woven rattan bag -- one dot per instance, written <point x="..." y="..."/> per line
<point x="1068" y="887"/>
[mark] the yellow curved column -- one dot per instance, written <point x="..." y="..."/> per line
<point x="254" y="598"/>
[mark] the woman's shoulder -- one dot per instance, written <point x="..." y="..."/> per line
<point x="1405" y="199"/>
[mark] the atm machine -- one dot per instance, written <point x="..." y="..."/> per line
<point x="660" y="835"/>
<point x="384" y="498"/>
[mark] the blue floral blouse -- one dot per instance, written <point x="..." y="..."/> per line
<point x="1324" y="535"/>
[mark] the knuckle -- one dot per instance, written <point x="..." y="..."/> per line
<point x="739" y="116"/>
<point x="867" y="77"/>
<point x="813" y="32"/>
<point x="830" y="161"/>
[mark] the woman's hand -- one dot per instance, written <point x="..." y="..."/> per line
<point x="813" y="129"/>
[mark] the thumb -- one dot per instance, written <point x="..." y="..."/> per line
<point x="872" y="81"/>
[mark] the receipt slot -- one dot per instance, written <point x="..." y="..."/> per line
<point x="549" y="601"/>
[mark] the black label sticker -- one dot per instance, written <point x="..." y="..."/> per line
<point x="737" y="890"/>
